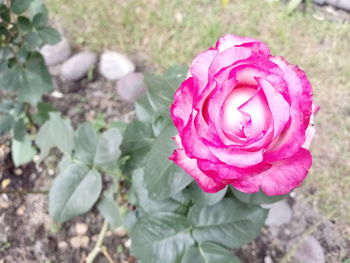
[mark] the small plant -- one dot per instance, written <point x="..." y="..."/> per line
<point x="24" y="77"/>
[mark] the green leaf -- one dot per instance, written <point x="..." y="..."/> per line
<point x="6" y="123"/>
<point x="176" y="74"/>
<point x="5" y="53"/>
<point x="146" y="203"/>
<point x="107" y="151"/>
<point x="22" y="151"/>
<point x="292" y="5"/>
<point x="6" y="106"/>
<point x="144" y="110"/>
<point x="229" y="223"/>
<point x="42" y="114"/>
<point x="49" y="35"/>
<point x="110" y="211"/>
<point x="20" y="6"/>
<point x="56" y="132"/>
<point x="64" y="163"/>
<point x="24" y="23"/>
<point x="5" y="13"/>
<point x="37" y="7"/>
<point x="74" y="191"/>
<point x="205" y="199"/>
<point x="137" y="141"/>
<point x="161" y="89"/>
<point x="121" y="125"/>
<point x="40" y="20"/>
<point x="32" y="41"/>
<point x="257" y="198"/>
<point x="9" y="77"/>
<point x="86" y="139"/>
<point x="19" y="130"/>
<point x="159" y="93"/>
<point x="162" y="177"/>
<point x="160" y="124"/>
<point x="209" y="253"/>
<point x="161" y="237"/>
<point x="35" y="80"/>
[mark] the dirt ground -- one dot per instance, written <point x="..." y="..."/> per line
<point x="29" y="235"/>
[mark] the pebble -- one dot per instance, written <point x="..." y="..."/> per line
<point x="58" y="95"/>
<point x="20" y="210"/>
<point x="114" y="65"/>
<point x="62" y="245"/>
<point x="18" y="171"/>
<point x="120" y="231"/>
<point x="78" y="65"/>
<point x="55" y="54"/>
<point x="5" y="183"/>
<point x="81" y="229"/>
<point x="131" y="87"/>
<point x="280" y="213"/>
<point x="268" y="259"/>
<point x="310" y="251"/>
<point x="79" y="241"/>
<point x="127" y="243"/>
<point x="4" y="201"/>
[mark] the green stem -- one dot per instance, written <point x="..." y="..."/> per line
<point x="98" y="247"/>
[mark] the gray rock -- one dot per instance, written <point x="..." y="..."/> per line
<point x="78" y="65"/>
<point x="280" y="213"/>
<point x="114" y="65"/>
<point x="344" y="4"/>
<point x="55" y="54"/>
<point x="131" y="86"/>
<point x="310" y="251"/>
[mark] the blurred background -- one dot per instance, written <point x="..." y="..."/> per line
<point x="156" y="34"/>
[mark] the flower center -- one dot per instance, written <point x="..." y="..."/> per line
<point x="244" y="111"/>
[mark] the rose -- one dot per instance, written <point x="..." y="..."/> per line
<point x="244" y="118"/>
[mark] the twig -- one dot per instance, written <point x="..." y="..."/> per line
<point x="98" y="247"/>
<point x="106" y="254"/>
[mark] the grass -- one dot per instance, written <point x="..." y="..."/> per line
<point x="173" y="32"/>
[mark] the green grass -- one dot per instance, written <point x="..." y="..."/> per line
<point x="173" y="32"/>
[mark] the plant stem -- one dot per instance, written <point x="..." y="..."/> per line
<point x="98" y="247"/>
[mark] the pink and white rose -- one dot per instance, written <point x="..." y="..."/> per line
<point x="244" y="118"/>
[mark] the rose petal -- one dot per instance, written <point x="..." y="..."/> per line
<point x="228" y="172"/>
<point x="290" y="140"/>
<point x="181" y="108"/>
<point x="190" y="166"/>
<point x="281" y="178"/>
<point x="228" y="41"/>
<point x="279" y="107"/>
<point x="299" y="87"/>
<point x="200" y="66"/>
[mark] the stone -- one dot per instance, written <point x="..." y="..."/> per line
<point x="78" y="65"/>
<point x="55" y="54"/>
<point x="310" y="251"/>
<point x="131" y="87"/>
<point x="79" y="241"/>
<point x="114" y="65"/>
<point x="62" y="245"/>
<point x="81" y="228"/>
<point x="20" y="210"/>
<point x="120" y="231"/>
<point x="280" y="213"/>
<point x="268" y="259"/>
<point x="127" y="243"/>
